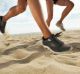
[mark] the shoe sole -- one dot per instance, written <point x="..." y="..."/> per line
<point x="54" y="52"/>
<point x="57" y="53"/>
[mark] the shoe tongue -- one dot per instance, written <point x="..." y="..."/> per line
<point x="56" y="40"/>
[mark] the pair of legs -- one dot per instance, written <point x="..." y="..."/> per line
<point x="69" y="5"/>
<point x="48" y="39"/>
<point x="21" y="7"/>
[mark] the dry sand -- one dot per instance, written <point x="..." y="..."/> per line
<point x="25" y="54"/>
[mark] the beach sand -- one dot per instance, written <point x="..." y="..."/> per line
<point x="25" y="54"/>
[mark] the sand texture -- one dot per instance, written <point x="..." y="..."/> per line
<point x="25" y="54"/>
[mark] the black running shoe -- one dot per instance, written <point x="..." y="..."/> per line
<point x="2" y="25"/>
<point x="55" y="44"/>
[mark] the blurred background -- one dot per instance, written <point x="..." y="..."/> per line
<point x="25" y="23"/>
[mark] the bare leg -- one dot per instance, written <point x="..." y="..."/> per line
<point x="49" y="11"/>
<point x="48" y="40"/>
<point x="37" y="14"/>
<point x="69" y="5"/>
<point x="16" y="10"/>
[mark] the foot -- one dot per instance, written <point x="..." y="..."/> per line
<point x="2" y="25"/>
<point x="60" y="25"/>
<point x="55" y="44"/>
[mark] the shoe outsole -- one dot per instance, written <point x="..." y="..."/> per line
<point x="55" y="52"/>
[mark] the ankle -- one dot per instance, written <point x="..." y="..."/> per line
<point x="60" y="21"/>
<point x="45" y="38"/>
<point x="4" y="19"/>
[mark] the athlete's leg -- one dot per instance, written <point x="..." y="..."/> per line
<point x="49" y="4"/>
<point x="37" y="14"/>
<point x="12" y="12"/>
<point x="69" y="5"/>
<point x="48" y="40"/>
<point x="21" y="6"/>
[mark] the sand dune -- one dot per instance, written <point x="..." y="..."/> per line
<point x="25" y="54"/>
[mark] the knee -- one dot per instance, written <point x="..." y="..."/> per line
<point x="71" y="4"/>
<point x="21" y="8"/>
<point x="47" y="0"/>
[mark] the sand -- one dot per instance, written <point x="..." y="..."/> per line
<point x="25" y="54"/>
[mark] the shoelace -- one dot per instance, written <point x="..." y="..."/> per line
<point x="57" y="40"/>
<point x="58" y="34"/>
